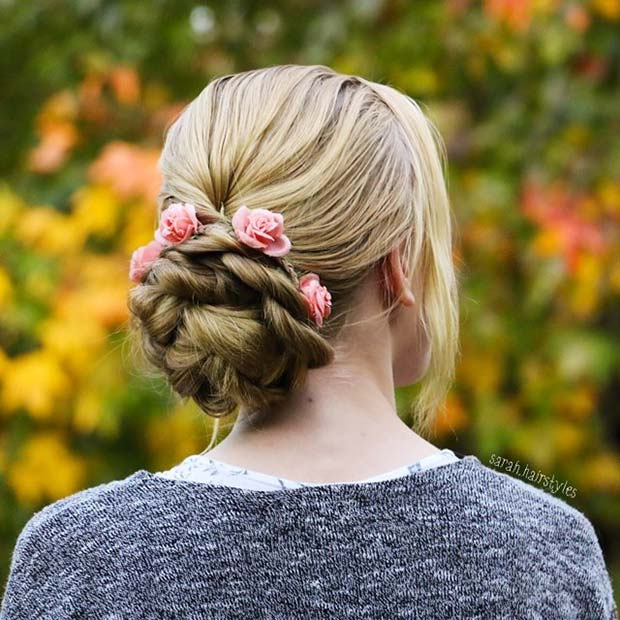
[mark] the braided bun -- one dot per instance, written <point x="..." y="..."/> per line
<point x="226" y="324"/>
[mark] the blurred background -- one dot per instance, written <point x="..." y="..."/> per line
<point x="526" y="94"/>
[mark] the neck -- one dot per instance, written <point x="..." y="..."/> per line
<point x="343" y="423"/>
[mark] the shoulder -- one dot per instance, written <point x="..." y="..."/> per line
<point x="52" y="549"/>
<point x="69" y="514"/>
<point x="514" y="496"/>
<point x="550" y="531"/>
<point x="522" y="501"/>
<point x="514" y="501"/>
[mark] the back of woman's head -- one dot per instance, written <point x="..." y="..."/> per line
<point x="355" y="168"/>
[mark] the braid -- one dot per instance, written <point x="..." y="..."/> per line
<point x="226" y="323"/>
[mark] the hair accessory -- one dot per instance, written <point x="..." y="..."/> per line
<point x="177" y="224"/>
<point x="318" y="298"/>
<point x="259" y="228"/>
<point x="142" y="259"/>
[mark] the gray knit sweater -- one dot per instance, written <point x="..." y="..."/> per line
<point x="459" y="541"/>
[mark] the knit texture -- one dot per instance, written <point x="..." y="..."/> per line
<point x="456" y="541"/>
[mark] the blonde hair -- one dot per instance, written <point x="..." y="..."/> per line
<point x="356" y="168"/>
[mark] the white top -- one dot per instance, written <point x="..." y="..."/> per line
<point x="201" y="468"/>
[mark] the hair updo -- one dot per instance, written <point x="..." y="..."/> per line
<point x="355" y="167"/>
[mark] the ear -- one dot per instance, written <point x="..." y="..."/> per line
<point x="396" y="278"/>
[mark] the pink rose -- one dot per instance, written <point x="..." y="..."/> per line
<point x="178" y="223"/>
<point x="261" y="229"/>
<point x="318" y="298"/>
<point x="142" y="259"/>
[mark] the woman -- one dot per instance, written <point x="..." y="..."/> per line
<point x="300" y="271"/>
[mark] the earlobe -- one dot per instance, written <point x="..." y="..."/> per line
<point x="407" y="298"/>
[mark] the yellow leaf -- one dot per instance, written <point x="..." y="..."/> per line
<point x="139" y="229"/>
<point x="614" y="274"/>
<point x="73" y="342"/>
<point x="4" y="363"/>
<point x="609" y="195"/>
<point x="48" y="231"/>
<point x="547" y="243"/>
<point x="6" y="288"/>
<point x="46" y="469"/>
<point x="87" y="411"/>
<point x="602" y="472"/>
<point x="482" y="371"/>
<point x="97" y="291"/>
<point x="576" y="403"/>
<point x="96" y="209"/>
<point x="35" y="382"/>
<point x="609" y="9"/>
<point x="585" y="293"/>
<point x="568" y="438"/>
<point x="11" y="207"/>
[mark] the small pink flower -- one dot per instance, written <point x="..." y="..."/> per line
<point x="178" y="223"/>
<point x="261" y="229"/>
<point x="318" y="298"/>
<point x="142" y="259"/>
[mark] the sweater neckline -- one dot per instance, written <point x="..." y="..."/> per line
<point x="338" y="490"/>
<point x="435" y="459"/>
